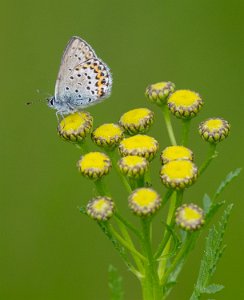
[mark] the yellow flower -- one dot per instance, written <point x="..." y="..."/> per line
<point x="140" y="145"/>
<point x="175" y="152"/>
<point x="137" y="120"/>
<point x="144" y="201"/>
<point x="75" y="127"/>
<point x="133" y="166"/>
<point x="108" y="135"/>
<point x="159" y="92"/>
<point x="178" y="174"/>
<point x="214" y="130"/>
<point x="100" y="208"/>
<point x="185" y="104"/>
<point x="94" y="165"/>
<point x="189" y="217"/>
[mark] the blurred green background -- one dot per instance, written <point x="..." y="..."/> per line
<point x="47" y="249"/>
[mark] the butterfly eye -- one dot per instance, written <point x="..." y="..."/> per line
<point x="51" y="101"/>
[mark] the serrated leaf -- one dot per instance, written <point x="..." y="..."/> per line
<point x="226" y="181"/>
<point x="115" y="284"/>
<point x="214" y="249"/>
<point x="207" y="202"/>
<point x="213" y="288"/>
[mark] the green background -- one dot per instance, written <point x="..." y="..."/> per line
<point x="47" y="249"/>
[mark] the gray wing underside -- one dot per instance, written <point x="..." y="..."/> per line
<point x="83" y="79"/>
<point x="76" y="52"/>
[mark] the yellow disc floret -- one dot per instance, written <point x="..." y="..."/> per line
<point x="133" y="166"/>
<point x="140" y="145"/>
<point x="159" y="92"/>
<point x="94" y="165"/>
<point x="137" y="120"/>
<point x="100" y="208"/>
<point x="189" y="217"/>
<point x="107" y="135"/>
<point x="174" y="153"/>
<point x="214" y="130"/>
<point x="185" y="103"/>
<point x="178" y="174"/>
<point x="144" y="201"/>
<point x="76" y="126"/>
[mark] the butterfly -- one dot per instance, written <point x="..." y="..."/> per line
<point x="83" y="79"/>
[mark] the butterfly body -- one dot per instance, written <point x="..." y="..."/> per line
<point x="83" y="79"/>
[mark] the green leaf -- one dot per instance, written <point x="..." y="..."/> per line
<point x="213" y="288"/>
<point x="214" y="249"/>
<point x="226" y="181"/>
<point x="115" y="284"/>
<point x="207" y="202"/>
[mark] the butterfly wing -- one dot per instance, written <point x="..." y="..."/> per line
<point x="77" y="51"/>
<point x="83" y="78"/>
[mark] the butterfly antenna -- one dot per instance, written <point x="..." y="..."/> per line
<point x="46" y="97"/>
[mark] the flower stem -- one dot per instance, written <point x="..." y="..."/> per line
<point x="101" y="188"/>
<point x="168" y="124"/>
<point x="150" y="267"/>
<point x="125" y="243"/>
<point x="128" y="239"/>
<point x="121" y="176"/>
<point x="186" y="129"/>
<point x="165" y="246"/>
<point x="211" y="155"/>
<point x="128" y="225"/>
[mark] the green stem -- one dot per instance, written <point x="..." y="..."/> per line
<point x="168" y="124"/>
<point x="150" y="266"/>
<point x="125" y="243"/>
<point x="121" y="176"/>
<point x="128" y="239"/>
<point x="165" y="246"/>
<point x="186" y="247"/>
<point x="212" y="153"/>
<point x="128" y="225"/>
<point x="101" y="188"/>
<point x="83" y="146"/>
<point x="186" y="129"/>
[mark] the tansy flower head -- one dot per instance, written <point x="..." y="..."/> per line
<point x="174" y="153"/>
<point x="108" y="135"/>
<point x="178" y="174"/>
<point x="214" y="130"/>
<point x="94" y="165"/>
<point x="133" y="166"/>
<point x="189" y="217"/>
<point x="144" y="201"/>
<point x="159" y="92"/>
<point x="100" y="208"/>
<point x="185" y="104"/>
<point x="140" y="145"/>
<point x="75" y="127"/>
<point x="137" y="120"/>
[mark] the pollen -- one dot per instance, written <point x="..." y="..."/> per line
<point x="107" y="135"/>
<point x="137" y="120"/>
<point x="140" y="145"/>
<point x="94" y="165"/>
<point x="144" y="201"/>
<point x="175" y="152"/>
<point x="75" y="127"/>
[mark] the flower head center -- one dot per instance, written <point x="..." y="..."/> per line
<point x="214" y="124"/>
<point x="178" y="169"/>
<point x="184" y="98"/>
